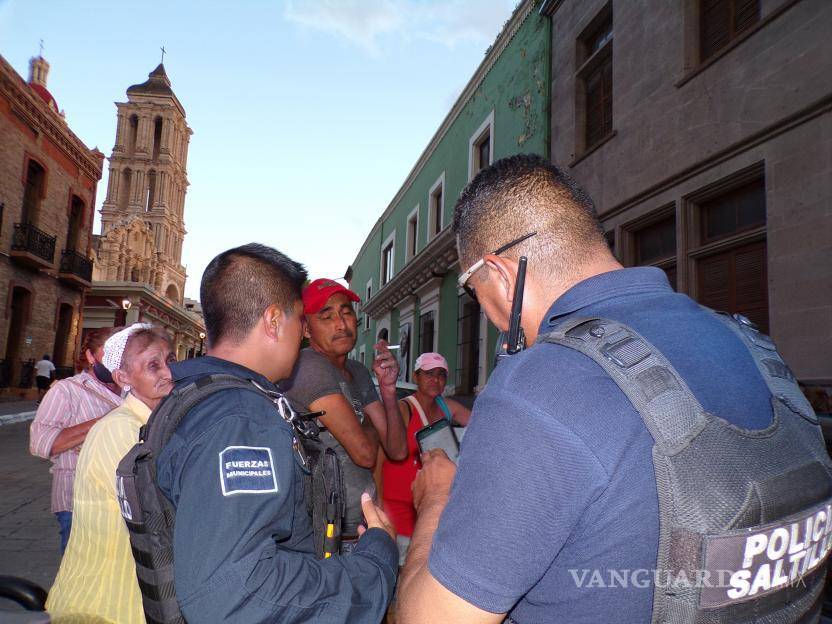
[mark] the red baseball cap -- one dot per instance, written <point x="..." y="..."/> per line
<point x="318" y="293"/>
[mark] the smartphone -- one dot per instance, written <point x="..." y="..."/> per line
<point x="439" y="435"/>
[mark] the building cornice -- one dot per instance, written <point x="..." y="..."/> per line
<point x="29" y="106"/>
<point x="433" y="262"/>
<point x="492" y="54"/>
<point x="123" y="290"/>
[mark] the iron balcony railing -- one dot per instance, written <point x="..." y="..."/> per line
<point x="30" y="239"/>
<point x="76" y="264"/>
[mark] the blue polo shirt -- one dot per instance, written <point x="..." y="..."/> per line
<point x="553" y="515"/>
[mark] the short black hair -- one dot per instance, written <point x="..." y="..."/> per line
<point x="521" y="194"/>
<point x="239" y="284"/>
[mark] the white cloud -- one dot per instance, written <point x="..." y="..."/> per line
<point x="366" y="23"/>
<point x="360" y="22"/>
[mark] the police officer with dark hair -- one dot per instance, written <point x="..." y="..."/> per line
<point x="644" y="460"/>
<point x="242" y="541"/>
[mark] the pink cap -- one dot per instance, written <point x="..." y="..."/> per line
<point x="429" y="361"/>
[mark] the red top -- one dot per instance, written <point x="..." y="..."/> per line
<point x="398" y="476"/>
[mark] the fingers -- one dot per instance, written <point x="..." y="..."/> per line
<point x="382" y="516"/>
<point x="371" y="512"/>
<point x="433" y="455"/>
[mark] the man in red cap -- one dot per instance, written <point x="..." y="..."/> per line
<point x="324" y="379"/>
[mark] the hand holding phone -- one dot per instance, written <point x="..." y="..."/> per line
<point x="439" y="435"/>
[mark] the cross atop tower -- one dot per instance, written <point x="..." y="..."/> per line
<point x="41" y="48"/>
<point x="163" y="53"/>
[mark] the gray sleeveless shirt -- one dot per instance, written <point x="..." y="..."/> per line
<point x="315" y="377"/>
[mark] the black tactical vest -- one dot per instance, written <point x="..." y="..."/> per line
<point x="745" y="517"/>
<point x="150" y="516"/>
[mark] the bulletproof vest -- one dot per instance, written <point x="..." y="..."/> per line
<point x="148" y="514"/>
<point x="745" y="516"/>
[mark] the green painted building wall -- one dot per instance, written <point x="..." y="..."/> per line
<point x="511" y="89"/>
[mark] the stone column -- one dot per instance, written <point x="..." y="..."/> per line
<point x="121" y="132"/>
<point x="112" y="185"/>
<point x="141" y="139"/>
<point x="163" y="141"/>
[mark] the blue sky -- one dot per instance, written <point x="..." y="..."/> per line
<point x="307" y="115"/>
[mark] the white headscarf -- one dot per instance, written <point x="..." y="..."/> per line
<point x="114" y="347"/>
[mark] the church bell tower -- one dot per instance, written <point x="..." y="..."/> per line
<point x="142" y="217"/>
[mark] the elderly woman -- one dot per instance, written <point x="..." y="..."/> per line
<point x="68" y="411"/>
<point x="97" y="577"/>
<point x="424" y="407"/>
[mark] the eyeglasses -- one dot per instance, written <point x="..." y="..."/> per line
<point x="463" y="279"/>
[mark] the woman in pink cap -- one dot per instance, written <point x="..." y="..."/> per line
<point x="424" y="407"/>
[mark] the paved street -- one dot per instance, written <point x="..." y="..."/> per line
<point x="28" y="531"/>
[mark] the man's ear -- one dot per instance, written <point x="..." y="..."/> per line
<point x="305" y="325"/>
<point x="505" y="270"/>
<point x="272" y="319"/>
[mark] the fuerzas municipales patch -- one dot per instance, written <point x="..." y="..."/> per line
<point x="247" y="470"/>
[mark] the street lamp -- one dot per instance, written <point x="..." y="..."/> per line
<point x="126" y="304"/>
<point x="201" y="339"/>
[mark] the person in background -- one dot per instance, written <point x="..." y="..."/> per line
<point x="324" y="379"/>
<point x="97" y="577"/>
<point x="68" y="411"/>
<point x="422" y="408"/>
<point x="43" y="375"/>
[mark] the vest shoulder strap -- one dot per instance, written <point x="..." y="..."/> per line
<point x="775" y="372"/>
<point x="670" y="411"/>
<point x="165" y="419"/>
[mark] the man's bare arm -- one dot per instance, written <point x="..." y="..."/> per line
<point x="361" y="445"/>
<point x="385" y="413"/>
<point x="422" y="599"/>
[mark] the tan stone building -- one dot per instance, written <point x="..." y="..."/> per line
<point x="138" y="271"/>
<point x="703" y="130"/>
<point x="48" y="180"/>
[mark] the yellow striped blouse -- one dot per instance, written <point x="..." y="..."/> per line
<point x="97" y="577"/>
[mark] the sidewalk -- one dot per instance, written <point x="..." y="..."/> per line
<point x="16" y="411"/>
<point x="29" y="544"/>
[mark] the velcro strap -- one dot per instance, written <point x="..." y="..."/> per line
<point x="153" y="561"/>
<point x="157" y="591"/>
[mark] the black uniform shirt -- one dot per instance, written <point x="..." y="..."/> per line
<point x="242" y="540"/>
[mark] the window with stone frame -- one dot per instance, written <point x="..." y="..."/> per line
<point x="369" y="293"/>
<point x="654" y="244"/>
<point x="730" y="248"/>
<point x="76" y="217"/>
<point x="412" y="234"/>
<point x="594" y="80"/>
<point x="722" y="21"/>
<point x="387" y="263"/>
<point x="436" y="211"/>
<point x="426" y="329"/>
<point x="33" y="192"/>
<point x="481" y="146"/>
